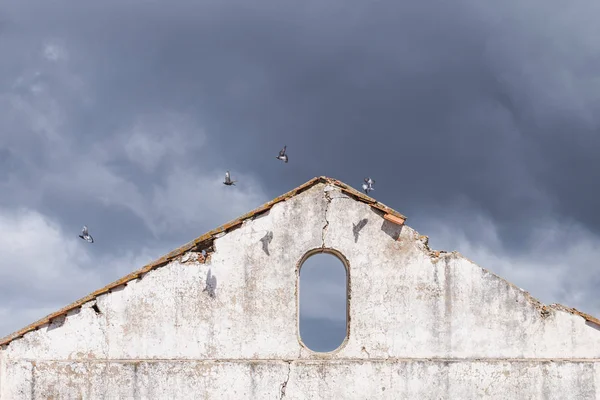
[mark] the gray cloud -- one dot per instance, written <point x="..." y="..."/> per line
<point x="123" y="115"/>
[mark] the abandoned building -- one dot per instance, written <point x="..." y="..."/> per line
<point x="218" y="319"/>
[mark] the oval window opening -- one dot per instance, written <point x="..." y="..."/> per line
<point x="323" y="298"/>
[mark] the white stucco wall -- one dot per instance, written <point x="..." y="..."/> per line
<point x="420" y="326"/>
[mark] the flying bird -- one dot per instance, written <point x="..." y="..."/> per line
<point x="85" y="235"/>
<point x="228" y="180"/>
<point x="368" y="185"/>
<point x="282" y="156"/>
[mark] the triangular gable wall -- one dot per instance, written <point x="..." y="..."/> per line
<point x="202" y="245"/>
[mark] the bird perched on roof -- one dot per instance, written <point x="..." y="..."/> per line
<point x="85" y="235"/>
<point x="368" y="185"/>
<point x="228" y="180"/>
<point x="282" y="156"/>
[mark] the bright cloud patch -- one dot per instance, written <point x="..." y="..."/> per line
<point x="43" y="268"/>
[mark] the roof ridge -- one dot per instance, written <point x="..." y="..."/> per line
<point x="204" y="242"/>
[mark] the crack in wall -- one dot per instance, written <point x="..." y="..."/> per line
<point x="365" y="350"/>
<point x="329" y="199"/>
<point x="287" y="378"/>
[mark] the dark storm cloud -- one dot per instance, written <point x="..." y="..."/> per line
<point x="441" y="101"/>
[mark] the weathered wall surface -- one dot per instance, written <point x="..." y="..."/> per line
<point x="305" y="379"/>
<point x="421" y="325"/>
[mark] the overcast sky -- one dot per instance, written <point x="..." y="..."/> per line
<point x="478" y="120"/>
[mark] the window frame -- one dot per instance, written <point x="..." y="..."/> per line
<point x="346" y="264"/>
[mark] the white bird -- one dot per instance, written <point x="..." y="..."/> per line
<point x="85" y="235"/>
<point x="282" y="156"/>
<point x="368" y="185"/>
<point x="228" y="180"/>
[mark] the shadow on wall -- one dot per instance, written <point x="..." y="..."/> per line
<point x="356" y="228"/>
<point x="391" y="229"/>
<point x="323" y="301"/>
<point x="58" y="322"/>
<point x="266" y="240"/>
<point x="593" y="325"/>
<point x="211" y="284"/>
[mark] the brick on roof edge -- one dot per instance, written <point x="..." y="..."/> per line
<point x="207" y="237"/>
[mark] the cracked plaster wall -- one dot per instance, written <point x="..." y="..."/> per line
<point x="421" y="325"/>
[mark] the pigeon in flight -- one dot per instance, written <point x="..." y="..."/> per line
<point x="228" y="180"/>
<point x="368" y="185"/>
<point x="85" y="235"/>
<point x="282" y="156"/>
